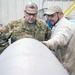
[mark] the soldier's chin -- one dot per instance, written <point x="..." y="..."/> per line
<point x="31" y="22"/>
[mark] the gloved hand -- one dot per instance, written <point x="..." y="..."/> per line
<point x="46" y="43"/>
<point x="49" y="44"/>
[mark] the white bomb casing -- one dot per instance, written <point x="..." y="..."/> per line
<point x="29" y="57"/>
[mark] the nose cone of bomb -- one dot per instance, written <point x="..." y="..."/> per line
<point x="29" y="57"/>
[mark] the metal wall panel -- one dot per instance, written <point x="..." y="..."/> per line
<point x="14" y="9"/>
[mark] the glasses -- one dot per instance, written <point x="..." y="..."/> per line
<point x="31" y="14"/>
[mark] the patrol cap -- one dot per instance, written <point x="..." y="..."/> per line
<point x="53" y="9"/>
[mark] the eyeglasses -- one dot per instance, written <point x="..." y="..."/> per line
<point x="31" y="14"/>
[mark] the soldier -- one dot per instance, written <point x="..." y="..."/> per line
<point x="27" y="27"/>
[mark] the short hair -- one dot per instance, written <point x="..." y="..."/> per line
<point x="31" y="5"/>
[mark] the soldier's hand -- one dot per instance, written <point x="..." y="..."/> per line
<point x="2" y="28"/>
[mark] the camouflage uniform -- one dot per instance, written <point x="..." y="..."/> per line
<point x="20" y="29"/>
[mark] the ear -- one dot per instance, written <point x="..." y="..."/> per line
<point x="24" y="11"/>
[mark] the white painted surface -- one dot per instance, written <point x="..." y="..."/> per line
<point x="29" y="57"/>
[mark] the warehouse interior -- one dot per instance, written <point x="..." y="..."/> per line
<point x="37" y="41"/>
<point x="11" y="9"/>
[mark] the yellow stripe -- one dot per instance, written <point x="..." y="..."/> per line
<point x="69" y="7"/>
<point x="70" y="11"/>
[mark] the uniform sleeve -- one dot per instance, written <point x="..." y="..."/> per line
<point x="4" y="36"/>
<point x="46" y="29"/>
<point x="48" y="34"/>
